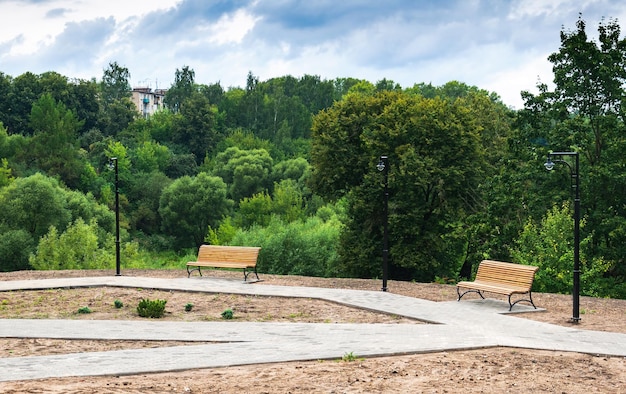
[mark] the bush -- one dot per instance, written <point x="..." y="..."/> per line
<point x="84" y="310"/>
<point x="297" y="248"/>
<point x="227" y="314"/>
<point x="151" y="308"/>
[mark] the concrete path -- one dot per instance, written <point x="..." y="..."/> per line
<point x="456" y="326"/>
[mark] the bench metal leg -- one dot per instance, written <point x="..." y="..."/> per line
<point x="480" y="293"/>
<point x="530" y="299"/>
<point x="195" y="269"/>
<point x="247" y="272"/>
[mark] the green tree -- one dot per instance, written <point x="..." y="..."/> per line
<point x="190" y="205"/>
<point x="585" y="113"/>
<point x="76" y="248"/>
<point x="118" y="111"/>
<point x="182" y="88"/>
<point x="115" y="86"/>
<point x="247" y="172"/>
<point x="196" y="128"/>
<point x="34" y="204"/>
<point x="54" y="145"/>
<point x="436" y="160"/>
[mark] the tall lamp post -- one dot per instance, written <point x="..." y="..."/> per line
<point x="383" y="166"/>
<point x="575" y="178"/>
<point x="113" y="166"/>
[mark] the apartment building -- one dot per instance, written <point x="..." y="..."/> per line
<point x="148" y="101"/>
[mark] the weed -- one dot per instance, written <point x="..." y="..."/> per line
<point x="349" y="357"/>
<point x="84" y="309"/>
<point x="118" y="304"/>
<point x="227" y="314"/>
<point x="151" y="308"/>
<point x="188" y="307"/>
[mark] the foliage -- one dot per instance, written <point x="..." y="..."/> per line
<point x="84" y="310"/>
<point x="585" y="113"/>
<point x="15" y="248"/>
<point x="188" y="307"/>
<point x="227" y="314"/>
<point x="76" y="248"/>
<point x="152" y="309"/>
<point x="118" y="304"/>
<point x="549" y="245"/>
<point x="437" y="160"/>
<point x="34" y="204"/>
<point x="247" y="172"/>
<point x="189" y="206"/>
<point x="297" y="248"/>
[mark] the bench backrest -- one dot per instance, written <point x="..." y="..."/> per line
<point x="228" y="254"/>
<point x="511" y="274"/>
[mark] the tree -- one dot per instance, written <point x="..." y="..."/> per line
<point x="182" y="88"/>
<point x="34" y="204"/>
<point x="436" y="161"/>
<point x="190" y="205"/>
<point x="247" y="172"/>
<point x="115" y="86"/>
<point x="118" y="110"/>
<point x="585" y="113"/>
<point x="195" y="128"/>
<point x="54" y="146"/>
<point x="76" y="248"/>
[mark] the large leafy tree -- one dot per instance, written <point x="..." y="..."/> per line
<point x="182" y="88"/>
<point x="190" y="205"/>
<point x="585" y="113"/>
<point x="247" y="172"/>
<point x="118" y="110"/>
<point x="54" y="146"/>
<point x="436" y="159"/>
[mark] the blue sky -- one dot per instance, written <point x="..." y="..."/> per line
<point x="497" y="45"/>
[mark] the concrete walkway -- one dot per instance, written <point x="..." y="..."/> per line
<point x="456" y="326"/>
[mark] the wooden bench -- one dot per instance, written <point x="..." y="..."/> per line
<point x="215" y="256"/>
<point x="501" y="278"/>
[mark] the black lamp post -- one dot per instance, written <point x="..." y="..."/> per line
<point x="575" y="177"/>
<point x="383" y="166"/>
<point x="113" y="166"/>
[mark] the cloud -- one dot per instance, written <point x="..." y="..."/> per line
<point x="56" y="13"/>
<point x="78" y="45"/>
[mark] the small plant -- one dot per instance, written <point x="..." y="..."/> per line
<point x="118" y="304"/>
<point x="188" y="307"/>
<point x="349" y="357"/>
<point x="84" y="310"/>
<point x="151" y="308"/>
<point x="227" y="314"/>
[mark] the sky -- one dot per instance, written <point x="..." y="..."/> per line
<point x="501" y="46"/>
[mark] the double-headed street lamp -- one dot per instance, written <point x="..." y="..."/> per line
<point x="575" y="178"/>
<point x="113" y="166"/>
<point x="383" y="166"/>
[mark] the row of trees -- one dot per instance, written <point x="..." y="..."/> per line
<point x="289" y="164"/>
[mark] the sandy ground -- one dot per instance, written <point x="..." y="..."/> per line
<point x="492" y="370"/>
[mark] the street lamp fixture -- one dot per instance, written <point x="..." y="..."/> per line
<point x="383" y="166"/>
<point x="575" y="179"/>
<point x="113" y="166"/>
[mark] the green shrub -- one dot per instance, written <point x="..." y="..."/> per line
<point x="227" y="314"/>
<point x="298" y="248"/>
<point x="151" y="308"/>
<point x="84" y="310"/>
<point x="188" y="307"/>
<point x="118" y="304"/>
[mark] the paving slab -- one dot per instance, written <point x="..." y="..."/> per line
<point x="454" y="326"/>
